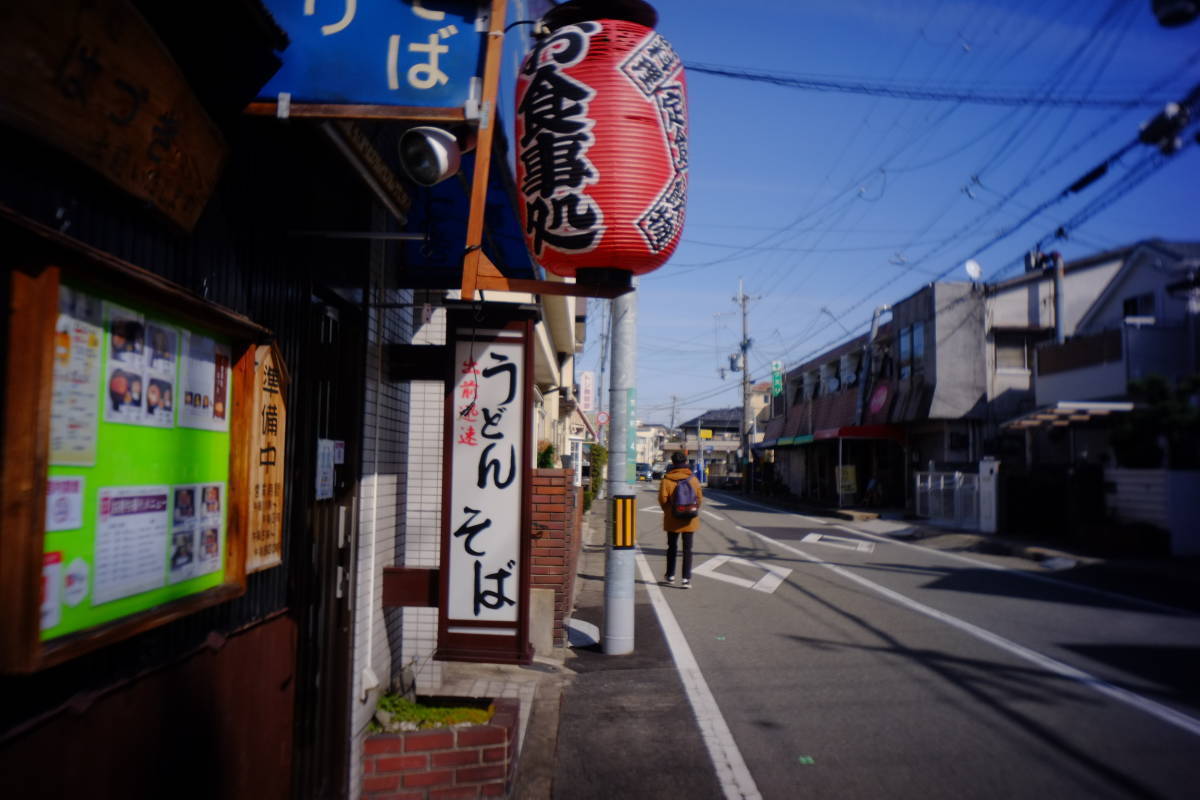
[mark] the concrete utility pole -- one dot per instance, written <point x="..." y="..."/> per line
<point x="622" y="457"/>
<point x="747" y="417"/>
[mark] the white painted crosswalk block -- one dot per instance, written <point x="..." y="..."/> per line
<point x="767" y="583"/>
<point x="840" y="541"/>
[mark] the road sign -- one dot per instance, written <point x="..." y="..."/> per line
<point x="602" y="418"/>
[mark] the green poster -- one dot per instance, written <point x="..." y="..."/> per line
<point x="137" y="490"/>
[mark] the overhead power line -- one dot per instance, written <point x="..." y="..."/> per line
<point x="884" y="89"/>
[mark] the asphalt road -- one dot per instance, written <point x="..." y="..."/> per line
<point x="842" y="664"/>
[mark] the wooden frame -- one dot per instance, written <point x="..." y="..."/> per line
<point x="458" y="645"/>
<point x="38" y="260"/>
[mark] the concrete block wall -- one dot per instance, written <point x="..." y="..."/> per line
<point x="557" y="514"/>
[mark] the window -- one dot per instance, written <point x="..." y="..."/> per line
<point x="849" y="369"/>
<point x="829" y="378"/>
<point x="905" y="352"/>
<point x="1141" y="305"/>
<point x="918" y="346"/>
<point x="1013" y="350"/>
<point x="884" y="364"/>
<point x="812" y="384"/>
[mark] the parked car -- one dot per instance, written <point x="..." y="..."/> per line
<point x="643" y="471"/>
<point x="658" y="469"/>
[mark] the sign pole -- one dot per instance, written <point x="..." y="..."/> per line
<point x="483" y="147"/>
<point x="622" y="442"/>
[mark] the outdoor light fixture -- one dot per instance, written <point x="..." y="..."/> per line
<point x="1173" y="13"/>
<point x="429" y="155"/>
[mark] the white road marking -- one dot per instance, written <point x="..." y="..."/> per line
<point x="1155" y="709"/>
<point x="1033" y="576"/>
<point x="736" y="780"/>
<point x="767" y="583"/>
<point x="838" y="541"/>
<point x="712" y="515"/>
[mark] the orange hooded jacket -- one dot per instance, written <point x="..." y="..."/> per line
<point x="671" y="522"/>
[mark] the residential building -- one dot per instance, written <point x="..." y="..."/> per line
<point x="931" y="392"/>
<point x="1084" y="437"/>
<point x="651" y="442"/>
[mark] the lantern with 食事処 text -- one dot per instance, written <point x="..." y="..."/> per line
<point x="602" y="144"/>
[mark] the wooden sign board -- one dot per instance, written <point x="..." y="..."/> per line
<point x="91" y="78"/>
<point x="123" y="484"/>
<point x="483" y="613"/>
<point x="263" y="461"/>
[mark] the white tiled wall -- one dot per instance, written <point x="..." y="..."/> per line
<point x="422" y="542"/>
<point x="382" y="499"/>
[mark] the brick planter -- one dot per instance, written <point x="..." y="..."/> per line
<point x="468" y="762"/>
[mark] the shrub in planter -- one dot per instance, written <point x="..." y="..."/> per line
<point x="440" y="747"/>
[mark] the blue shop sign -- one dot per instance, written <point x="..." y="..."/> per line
<point x="379" y="52"/>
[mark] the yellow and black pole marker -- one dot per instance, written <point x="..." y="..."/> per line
<point x="624" y="528"/>
<point x="619" y="574"/>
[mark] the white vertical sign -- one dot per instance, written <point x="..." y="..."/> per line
<point x="587" y="392"/>
<point x="486" y="487"/>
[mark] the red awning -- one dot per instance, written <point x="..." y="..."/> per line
<point x="862" y="432"/>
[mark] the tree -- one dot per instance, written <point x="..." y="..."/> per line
<point x="1165" y="417"/>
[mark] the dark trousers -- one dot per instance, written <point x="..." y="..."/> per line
<point x="673" y="548"/>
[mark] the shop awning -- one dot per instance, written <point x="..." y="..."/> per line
<point x="1066" y="413"/>
<point x="891" y="432"/>
<point x="862" y="432"/>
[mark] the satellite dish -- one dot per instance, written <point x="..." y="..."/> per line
<point x="974" y="271"/>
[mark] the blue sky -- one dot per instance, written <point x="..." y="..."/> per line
<point x="824" y="200"/>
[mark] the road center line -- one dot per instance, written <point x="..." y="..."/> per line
<point x="736" y="780"/>
<point x="1162" y="712"/>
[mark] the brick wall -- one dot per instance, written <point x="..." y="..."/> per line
<point x="469" y="762"/>
<point x="557" y="509"/>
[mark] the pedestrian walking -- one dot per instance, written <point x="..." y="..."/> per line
<point x="680" y="497"/>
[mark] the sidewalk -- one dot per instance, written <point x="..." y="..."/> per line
<point x="625" y="726"/>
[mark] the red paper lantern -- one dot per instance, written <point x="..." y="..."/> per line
<point x="602" y="148"/>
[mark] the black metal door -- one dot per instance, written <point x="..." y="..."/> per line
<point x="323" y="553"/>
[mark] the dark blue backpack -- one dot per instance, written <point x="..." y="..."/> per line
<point x="684" y="503"/>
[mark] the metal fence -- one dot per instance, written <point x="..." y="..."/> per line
<point x="949" y="498"/>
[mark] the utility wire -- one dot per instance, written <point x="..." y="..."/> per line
<point x="899" y="91"/>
